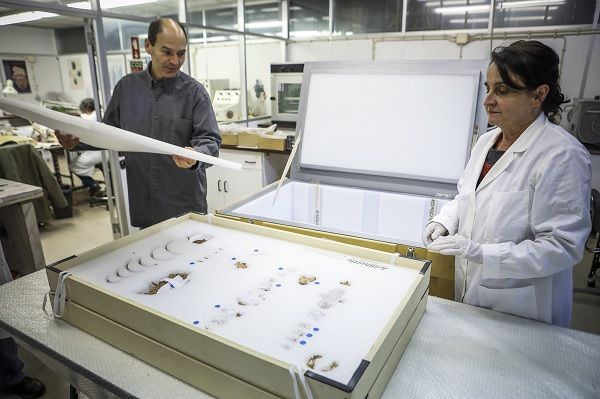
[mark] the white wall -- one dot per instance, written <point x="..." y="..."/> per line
<point x="38" y="48"/>
<point x="25" y="40"/>
<point x="216" y="62"/>
<point x="72" y="91"/>
<point x="576" y="48"/>
<point x="259" y="57"/>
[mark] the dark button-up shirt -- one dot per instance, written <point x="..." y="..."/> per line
<point x="174" y="110"/>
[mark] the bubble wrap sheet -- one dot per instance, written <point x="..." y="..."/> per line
<point x="457" y="351"/>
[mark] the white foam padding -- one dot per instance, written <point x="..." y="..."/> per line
<point x="261" y="306"/>
<point x="374" y="214"/>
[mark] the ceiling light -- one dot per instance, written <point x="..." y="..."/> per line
<point x="307" y="33"/>
<point x="25" y="17"/>
<point x="528" y="3"/>
<point x="530" y="18"/>
<point x="469" y="21"/>
<point x="463" y="9"/>
<point x="447" y="3"/>
<point x="263" y="24"/>
<point x="106" y="4"/>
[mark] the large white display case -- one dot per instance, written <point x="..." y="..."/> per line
<point x="242" y="307"/>
<point x="382" y="146"/>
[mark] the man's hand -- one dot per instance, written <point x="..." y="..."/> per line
<point x="458" y="245"/>
<point x="68" y="141"/>
<point x="184" y="162"/>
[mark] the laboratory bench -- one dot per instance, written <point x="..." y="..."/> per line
<point x="457" y="351"/>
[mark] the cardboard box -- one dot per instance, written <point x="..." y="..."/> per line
<point x="223" y="367"/>
<point x="248" y="140"/>
<point x="229" y="139"/>
<point x="272" y="142"/>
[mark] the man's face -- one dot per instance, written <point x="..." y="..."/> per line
<point x="19" y="77"/>
<point x="167" y="53"/>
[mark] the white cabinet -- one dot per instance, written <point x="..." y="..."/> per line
<point x="226" y="187"/>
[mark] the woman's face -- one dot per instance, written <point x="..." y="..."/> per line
<point x="510" y="109"/>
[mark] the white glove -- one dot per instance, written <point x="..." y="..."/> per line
<point x="458" y="245"/>
<point x="432" y="231"/>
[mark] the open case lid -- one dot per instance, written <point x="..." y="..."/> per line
<point x="402" y="126"/>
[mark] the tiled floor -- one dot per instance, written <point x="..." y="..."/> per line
<point x="90" y="227"/>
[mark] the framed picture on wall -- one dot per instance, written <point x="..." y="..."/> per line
<point x="16" y="70"/>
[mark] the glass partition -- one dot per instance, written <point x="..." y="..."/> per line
<point x="142" y="8"/>
<point x="447" y="14"/>
<point x="264" y="17"/>
<point x="215" y="62"/>
<point x="260" y="54"/>
<point x="220" y="14"/>
<point x="308" y="18"/>
<point x="511" y="13"/>
<point x="355" y="17"/>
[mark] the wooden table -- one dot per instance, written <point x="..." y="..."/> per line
<point x="21" y="237"/>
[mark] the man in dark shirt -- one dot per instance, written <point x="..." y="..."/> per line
<point x="165" y="104"/>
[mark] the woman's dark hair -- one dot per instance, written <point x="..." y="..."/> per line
<point x="536" y="64"/>
<point x="156" y="27"/>
<point x="87" y="106"/>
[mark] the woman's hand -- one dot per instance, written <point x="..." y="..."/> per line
<point x="433" y="231"/>
<point x="458" y="245"/>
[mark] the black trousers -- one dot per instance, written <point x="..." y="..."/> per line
<point x="11" y="367"/>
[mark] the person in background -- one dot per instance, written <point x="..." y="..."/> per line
<point x="259" y="107"/>
<point x="12" y="378"/>
<point x="163" y="103"/>
<point x="84" y="164"/>
<point x="19" y="78"/>
<point x="521" y="217"/>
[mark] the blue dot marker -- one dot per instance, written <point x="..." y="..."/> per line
<point x="317" y="282"/>
<point x="280" y="268"/>
<point x="191" y="263"/>
<point x="316" y="329"/>
<point x="233" y="258"/>
<point x="171" y="285"/>
<point x="256" y="250"/>
<point x="277" y="285"/>
<point x="309" y="335"/>
<point x="196" y="322"/>
<point x="217" y="306"/>
<point x="302" y="342"/>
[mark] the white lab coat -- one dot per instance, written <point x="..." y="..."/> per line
<point x="531" y="215"/>
<point x="83" y="163"/>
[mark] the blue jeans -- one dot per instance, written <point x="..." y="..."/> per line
<point x="88" y="182"/>
<point x="11" y="367"/>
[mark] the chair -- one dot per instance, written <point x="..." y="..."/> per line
<point x="22" y="163"/>
<point x="595" y="214"/>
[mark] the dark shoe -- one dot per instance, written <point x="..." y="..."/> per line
<point x="29" y="388"/>
<point x="100" y="195"/>
<point x="94" y="191"/>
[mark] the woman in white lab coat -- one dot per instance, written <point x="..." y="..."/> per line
<point x="521" y="217"/>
